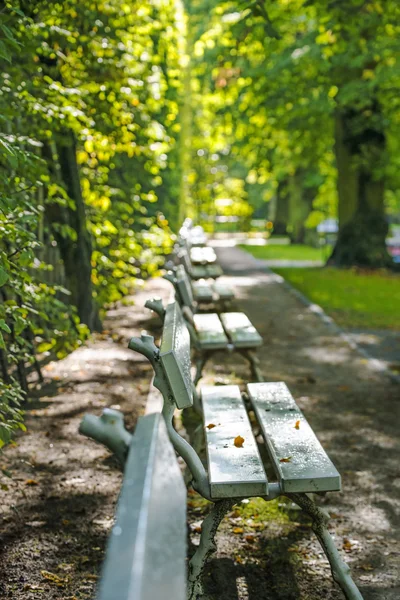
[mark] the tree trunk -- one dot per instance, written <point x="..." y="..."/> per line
<point x="282" y="209"/>
<point x="359" y="146"/>
<point x="75" y="253"/>
<point x="300" y="205"/>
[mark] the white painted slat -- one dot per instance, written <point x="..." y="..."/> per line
<point x="205" y="255"/>
<point x="300" y="461"/>
<point x="210" y="331"/>
<point x="233" y="472"/>
<point x="198" y="273"/>
<point x="223" y="291"/>
<point x="240" y="330"/>
<point x="213" y="271"/>
<point x="175" y="355"/>
<point x="202" y="291"/>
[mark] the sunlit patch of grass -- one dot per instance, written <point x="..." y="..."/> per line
<point x="259" y="511"/>
<point x="285" y="252"/>
<point x="354" y="298"/>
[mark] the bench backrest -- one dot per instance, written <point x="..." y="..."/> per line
<point x="146" y="551"/>
<point x="185" y="259"/>
<point x="183" y="286"/>
<point x="175" y="355"/>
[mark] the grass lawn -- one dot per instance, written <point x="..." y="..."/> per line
<point x="353" y="299"/>
<point x="284" y="252"/>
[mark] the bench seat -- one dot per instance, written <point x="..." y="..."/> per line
<point x="202" y="256"/>
<point x="205" y="272"/>
<point x="233" y="471"/>
<point x="202" y="291"/>
<point x="223" y="291"/>
<point x="210" y="331"/>
<point x="300" y="462"/>
<point x="298" y="459"/>
<point x="240" y="330"/>
<point x="217" y="331"/>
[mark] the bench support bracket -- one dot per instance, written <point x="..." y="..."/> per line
<point x="206" y="548"/>
<point x="340" y="570"/>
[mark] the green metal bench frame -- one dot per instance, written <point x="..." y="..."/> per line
<point x="146" y="551"/>
<point x="171" y="364"/>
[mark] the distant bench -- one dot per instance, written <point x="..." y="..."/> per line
<point x="212" y="332"/>
<point x="146" y="552"/>
<point x="199" y="292"/>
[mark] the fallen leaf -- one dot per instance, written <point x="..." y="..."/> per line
<point x="31" y="482"/>
<point x="297" y="426"/>
<point x="285" y="460"/>
<point x="238" y="441"/>
<point x="347" y="545"/>
<point x="366" y="567"/>
<point x="250" y="537"/>
<point x="210" y="426"/>
<point x="59" y="581"/>
<point x="238" y="530"/>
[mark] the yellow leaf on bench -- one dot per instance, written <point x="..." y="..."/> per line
<point x="238" y="441"/>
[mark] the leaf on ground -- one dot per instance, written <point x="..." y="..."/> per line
<point x="238" y="441"/>
<point x="31" y="482"/>
<point x="297" y="426"/>
<point x="286" y="459"/>
<point x="59" y="581"/>
<point x="210" y="426"/>
<point x="238" y="530"/>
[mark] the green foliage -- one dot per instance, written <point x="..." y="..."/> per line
<point x="268" y="86"/>
<point x="89" y="174"/>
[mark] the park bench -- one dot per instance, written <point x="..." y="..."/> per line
<point x="207" y="271"/>
<point x="202" y="255"/>
<point x="235" y="469"/>
<point x="216" y="332"/>
<point x="199" y="292"/>
<point x="146" y="553"/>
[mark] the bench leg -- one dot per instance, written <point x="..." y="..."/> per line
<point x="340" y="571"/>
<point x="254" y="365"/>
<point x="200" y="362"/>
<point x="207" y="546"/>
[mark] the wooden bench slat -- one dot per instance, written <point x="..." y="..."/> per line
<point x="205" y="272"/>
<point x="205" y="255"/>
<point x="299" y="460"/>
<point x="146" y="554"/>
<point x="202" y="291"/>
<point x="223" y="291"/>
<point x="233" y="472"/>
<point x="175" y="355"/>
<point x="240" y="330"/>
<point x="210" y="331"/>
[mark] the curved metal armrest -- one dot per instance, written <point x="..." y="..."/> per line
<point x="109" y="430"/>
<point x="157" y="306"/>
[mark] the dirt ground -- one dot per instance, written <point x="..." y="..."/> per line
<point x="57" y="508"/>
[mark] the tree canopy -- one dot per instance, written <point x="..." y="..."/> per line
<point x="120" y="118"/>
